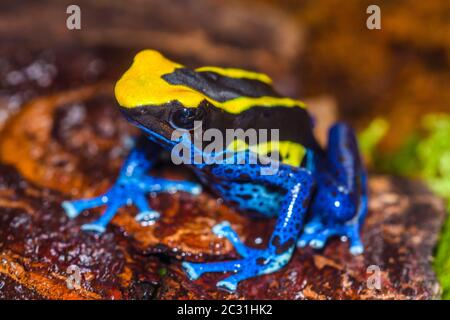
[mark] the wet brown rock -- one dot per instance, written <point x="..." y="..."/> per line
<point x="66" y="134"/>
<point x="26" y="73"/>
<point x="74" y="143"/>
<point x="63" y="138"/>
<point x="35" y="140"/>
<point x="399" y="236"/>
<point x="12" y="290"/>
<point x="39" y="244"/>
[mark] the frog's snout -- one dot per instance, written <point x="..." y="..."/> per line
<point x="142" y="116"/>
<point x="151" y="119"/>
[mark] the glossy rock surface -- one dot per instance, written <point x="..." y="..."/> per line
<point x="73" y="142"/>
<point x="61" y="137"/>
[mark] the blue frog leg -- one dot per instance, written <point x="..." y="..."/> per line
<point x="298" y="184"/>
<point x="340" y="204"/>
<point x="132" y="186"/>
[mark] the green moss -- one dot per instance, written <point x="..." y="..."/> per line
<point x="372" y="135"/>
<point x="442" y="260"/>
<point x="402" y="162"/>
<point x="162" y="272"/>
<point x="434" y="153"/>
<point x="426" y="155"/>
<point x="434" y="156"/>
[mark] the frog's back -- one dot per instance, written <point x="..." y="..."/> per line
<point x="246" y="100"/>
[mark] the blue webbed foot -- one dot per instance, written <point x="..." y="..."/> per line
<point x="316" y="235"/>
<point x="131" y="187"/>
<point x="281" y="245"/>
<point x="254" y="262"/>
<point x="340" y="203"/>
<point x="127" y="191"/>
<point x="224" y="229"/>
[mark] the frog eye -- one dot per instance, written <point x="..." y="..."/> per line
<point x="184" y="118"/>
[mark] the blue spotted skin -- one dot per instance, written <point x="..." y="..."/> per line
<point x="298" y="184"/>
<point x="250" y="196"/>
<point x="334" y="183"/>
<point x="326" y="188"/>
<point x="340" y="201"/>
<point x="331" y="189"/>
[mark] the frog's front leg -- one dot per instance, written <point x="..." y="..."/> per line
<point x="131" y="187"/>
<point x="254" y="262"/>
<point x="340" y="204"/>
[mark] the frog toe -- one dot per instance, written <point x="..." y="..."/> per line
<point x="195" y="189"/>
<point x="147" y="216"/>
<point x="173" y="186"/>
<point x="301" y="243"/>
<point x="221" y="229"/>
<point x="227" y="285"/>
<point x="313" y="226"/>
<point x="93" y="227"/>
<point x="317" y="243"/>
<point x="315" y="240"/>
<point x="356" y="246"/>
<point x="75" y="207"/>
<point x="356" y="249"/>
<point x="192" y="270"/>
<point x="224" y="229"/>
<point x="196" y="270"/>
<point x="258" y="263"/>
<point x="318" y="239"/>
<point x="70" y="210"/>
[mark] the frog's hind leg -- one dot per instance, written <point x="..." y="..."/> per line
<point x="340" y="205"/>
<point x="298" y="183"/>
<point x="249" y="196"/>
<point x="131" y="187"/>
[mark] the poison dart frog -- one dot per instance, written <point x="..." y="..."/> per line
<point x="316" y="193"/>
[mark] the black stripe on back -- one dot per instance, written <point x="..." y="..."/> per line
<point x="219" y="87"/>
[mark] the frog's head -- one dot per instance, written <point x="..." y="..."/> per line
<point x="161" y="96"/>
<point x="154" y="104"/>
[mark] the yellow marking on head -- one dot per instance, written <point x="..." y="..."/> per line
<point x="237" y="73"/>
<point x="291" y="153"/>
<point x="142" y="84"/>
